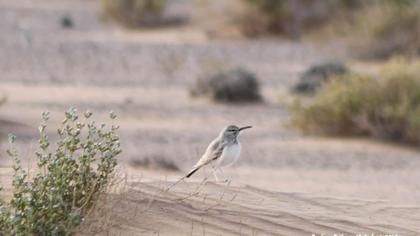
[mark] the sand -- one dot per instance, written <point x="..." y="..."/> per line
<point x="209" y="208"/>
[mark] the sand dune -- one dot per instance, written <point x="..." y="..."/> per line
<point x="147" y="207"/>
<point x="220" y="209"/>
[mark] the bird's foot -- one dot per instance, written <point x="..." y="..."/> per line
<point x="222" y="181"/>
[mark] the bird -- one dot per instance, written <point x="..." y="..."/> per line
<point x="222" y="151"/>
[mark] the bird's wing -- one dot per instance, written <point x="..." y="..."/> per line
<point x="213" y="152"/>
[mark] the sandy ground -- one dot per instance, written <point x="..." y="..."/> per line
<point x="223" y="209"/>
<point x="284" y="184"/>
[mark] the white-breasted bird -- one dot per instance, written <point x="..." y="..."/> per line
<point x="222" y="151"/>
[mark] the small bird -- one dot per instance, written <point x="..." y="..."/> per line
<point x="222" y="151"/>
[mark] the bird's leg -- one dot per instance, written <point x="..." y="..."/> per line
<point x="223" y="174"/>
<point x="215" y="175"/>
<point x="224" y="180"/>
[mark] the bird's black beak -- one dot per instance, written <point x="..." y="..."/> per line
<point x="245" y="127"/>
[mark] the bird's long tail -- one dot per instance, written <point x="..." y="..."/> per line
<point x="186" y="176"/>
<point x="192" y="171"/>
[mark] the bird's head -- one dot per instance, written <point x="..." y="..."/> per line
<point x="232" y="131"/>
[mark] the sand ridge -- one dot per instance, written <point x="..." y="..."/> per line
<point x="193" y="208"/>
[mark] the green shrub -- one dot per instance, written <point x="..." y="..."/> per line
<point x="386" y="106"/>
<point x="69" y="179"/>
<point x="233" y="86"/>
<point x="134" y="13"/>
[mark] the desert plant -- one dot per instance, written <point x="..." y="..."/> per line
<point x="373" y="29"/>
<point x="66" y="22"/>
<point x="68" y="181"/>
<point x="134" y="13"/>
<point x="313" y="78"/>
<point x="292" y="17"/>
<point x="236" y="85"/>
<point x="385" y="30"/>
<point x="386" y="106"/>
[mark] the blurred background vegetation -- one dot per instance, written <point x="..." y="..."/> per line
<point x="373" y="29"/>
<point x="134" y="13"/>
<point x="384" y="105"/>
<point x="342" y="101"/>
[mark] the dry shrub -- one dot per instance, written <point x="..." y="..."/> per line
<point x="386" y="30"/>
<point x="134" y="13"/>
<point x="66" y="22"/>
<point x="233" y="86"/>
<point x="313" y="78"/>
<point x="387" y="106"/>
<point x="102" y="217"/>
<point x="292" y="17"/>
<point x="375" y="29"/>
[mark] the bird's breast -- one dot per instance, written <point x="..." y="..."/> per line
<point x="230" y="154"/>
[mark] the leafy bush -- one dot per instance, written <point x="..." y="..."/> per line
<point x="313" y="78"/>
<point x="134" y="13"/>
<point x="387" y="106"/>
<point x="230" y="86"/>
<point x="69" y="180"/>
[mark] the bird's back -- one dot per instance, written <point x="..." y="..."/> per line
<point x="213" y="152"/>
